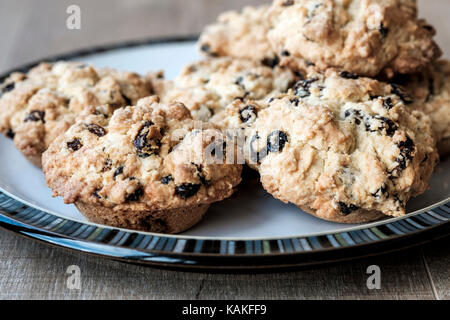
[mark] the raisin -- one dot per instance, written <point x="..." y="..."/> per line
<point x="35" y="116"/>
<point x="66" y="102"/>
<point x="10" y="134"/>
<point x="382" y="125"/>
<point x="301" y="88"/>
<point x="377" y="123"/>
<point x="406" y="149"/>
<point x="7" y="88"/>
<point x="200" y="174"/>
<point x="406" y="146"/>
<point x="96" y="195"/>
<point x="144" y="146"/>
<point x="271" y="62"/>
<point x="383" y="30"/>
<point x="187" y="190"/>
<point x="127" y="100"/>
<point x="400" y="201"/>
<point x="348" y="75"/>
<point x="387" y="103"/>
<point x="355" y="113"/>
<point x="96" y="129"/>
<point x="118" y="171"/>
<point x="136" y="195"/>
<point x="401" y="93"/>
<point x="167" y="179"/>
<point x="299" y="75"/>
<point x="240" y="82"/>
<point x="193" y="68"/>
<point x="401" y="160"/>
<point x="107" y="165"/>
<point x="248" y="113"/>
<point x="380" y="192"/>
<point x="429" y="28"/>
<point x="288" y="3"/>
<point x="206" y="48"/>
<point x="346" y="209"/>
<point x="390" y="127"/>
<point x="75" y="144"/>
<point x="276" y="141"/>
<point x="295" y="101"/>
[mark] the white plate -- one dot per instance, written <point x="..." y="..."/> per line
<point x="251" y="213"/>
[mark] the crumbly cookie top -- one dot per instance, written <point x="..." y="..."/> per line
<point x="240" y="114"/>
<point x="431" y="93"/>
<point x="360" y="36"/>
<point x="338" y="143"/>
<point x="240" y="35"/>
<point x="38" y="106"/>
<point x="150" y="156"/>
<point x="208" y="86"/>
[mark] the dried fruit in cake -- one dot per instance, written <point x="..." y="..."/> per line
<point x="37" y="106"/>
<point x="338" y="152"/>
<point x="152" y="170"/>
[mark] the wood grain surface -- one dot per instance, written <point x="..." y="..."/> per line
<point x="32" y="30"/>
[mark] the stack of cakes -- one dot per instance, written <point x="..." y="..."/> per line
<point x="341" y="106"/>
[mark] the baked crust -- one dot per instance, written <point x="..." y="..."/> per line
<point x="349" y="148"/>
<point x="38" y="106"/>
<point x="355" y="217"/>
<point x="208" y="86"/>
<point x="162" y="221"/>
<point x="366" y="37"/>
<point x="240" y="35"/>
<point x="144" y="159"/>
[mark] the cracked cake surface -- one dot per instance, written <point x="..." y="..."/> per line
<point x="147" y="157"/>
<point x="240" y="34"/>
<point x="342" y="147"/>
<point x="37" y="106"/>
<point x="208" y="86"/>
<point x="366" y="37"/>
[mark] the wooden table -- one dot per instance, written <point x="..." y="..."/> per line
<point x="30" y="30"/>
